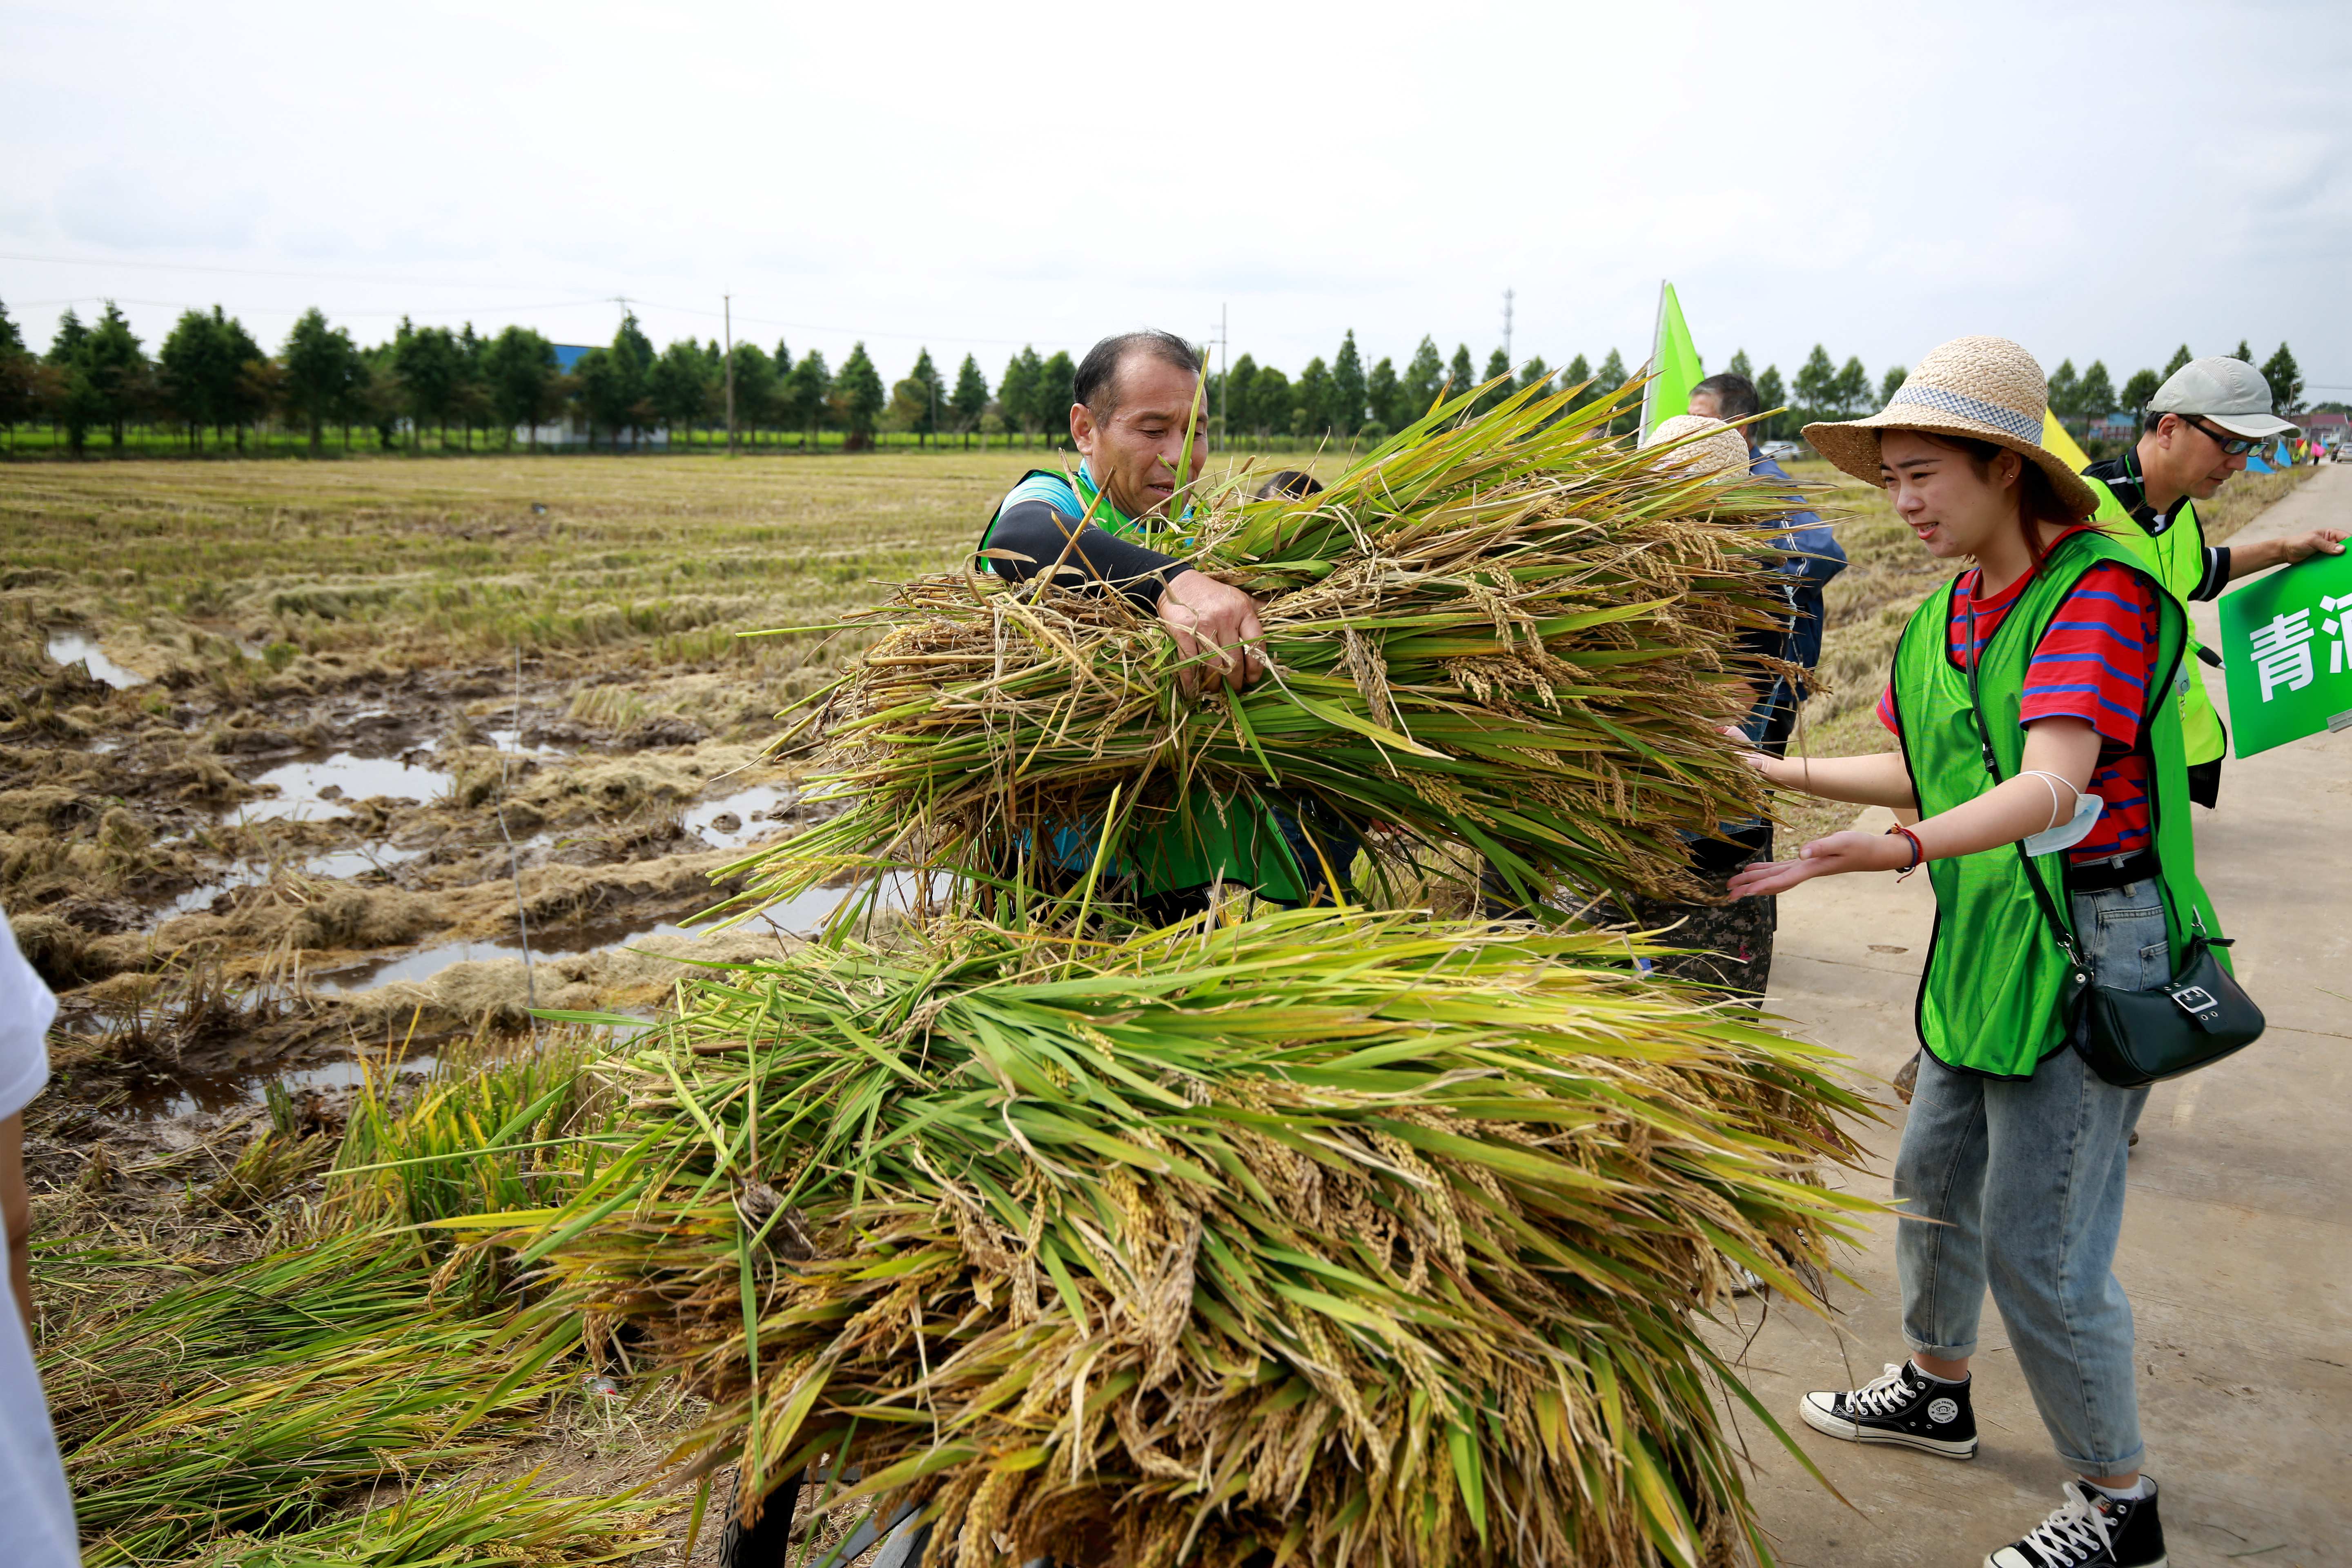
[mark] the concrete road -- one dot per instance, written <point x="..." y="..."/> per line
<point x="2237" y="1245"/>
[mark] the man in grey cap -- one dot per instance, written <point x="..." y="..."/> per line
<point x="2197" y="429"/>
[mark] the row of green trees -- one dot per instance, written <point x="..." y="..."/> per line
<point x="2080" y="399"/>
<point x="1343" y="399"/>
<point x="210" y="381"/>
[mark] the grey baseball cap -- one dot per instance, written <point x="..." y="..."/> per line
<point x="2229" y="392"/>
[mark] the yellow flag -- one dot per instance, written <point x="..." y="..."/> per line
<point x="2055" y="439"/>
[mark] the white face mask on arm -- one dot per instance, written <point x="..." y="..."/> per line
<point x="2075" y="829"/>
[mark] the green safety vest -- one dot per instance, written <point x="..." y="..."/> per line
<point x="2177" y="559"/>
<point x="1206" y="839"/>
<point x="1992" y="994"/>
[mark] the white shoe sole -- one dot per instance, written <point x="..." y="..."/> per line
<point x="1831" y="1425"/>
<point x="2164" y="1561"/>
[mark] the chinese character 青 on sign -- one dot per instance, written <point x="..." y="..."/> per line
<point x="2283" y="653"/>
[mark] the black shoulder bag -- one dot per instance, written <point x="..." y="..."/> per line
<point x="2135" y="1038"/>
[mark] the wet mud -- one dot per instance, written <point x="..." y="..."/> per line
<point x="314" y="875"/>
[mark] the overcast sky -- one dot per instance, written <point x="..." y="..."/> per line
<point x="2095" y="181"/>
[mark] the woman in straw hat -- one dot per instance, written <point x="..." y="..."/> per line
<point x="2030" y="701"/>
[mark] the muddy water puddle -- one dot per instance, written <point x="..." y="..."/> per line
<point x="335" y="864"/>
<point x="190" y="1093"/>
<point x="741" y="818"/>
<point x="314" y="789"/>
<point x="375" y="755"/>
<point x="800" y="916"/>
<point x="511" y="741"/>
<point x="68" y="646"/>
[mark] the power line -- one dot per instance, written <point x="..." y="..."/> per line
<point x="590" y="297"/>
<point x="1224" y="349"/>
<point x="267" y="272"/>
<point x="851" y="331"/>
<point x="291" y="310"/>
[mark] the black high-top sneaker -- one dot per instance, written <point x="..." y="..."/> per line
<point x="2090" y="1531"/>
<point x="1902" y="1406"/>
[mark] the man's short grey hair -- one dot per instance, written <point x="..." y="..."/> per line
<point x="1097" y="384"/>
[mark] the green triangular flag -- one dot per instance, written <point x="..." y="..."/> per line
<point x="1675" y="365"/>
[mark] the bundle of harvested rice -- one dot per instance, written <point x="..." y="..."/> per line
<point x="1502" y="629"/>
<point x="296" y="1394"/>
<point x="1348" y="1237"/>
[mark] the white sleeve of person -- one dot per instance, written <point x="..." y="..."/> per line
<point x="36" y="1522"/>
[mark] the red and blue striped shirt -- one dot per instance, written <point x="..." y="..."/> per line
<point x="2093" y="663"/>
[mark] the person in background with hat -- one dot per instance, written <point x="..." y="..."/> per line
<point x="1815" y="557"/>
<point x="2198" y="431"/>
<point x="1731" y="941"/>
<point x="2031" y="699"/>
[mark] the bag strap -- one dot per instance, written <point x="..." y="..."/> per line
<point x="2059" y="927"/>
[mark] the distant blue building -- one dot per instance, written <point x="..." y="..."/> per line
<point x="567" y="430"/>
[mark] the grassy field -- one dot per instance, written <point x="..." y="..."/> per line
<point x="45" y="442"/>
<point x="650" y="562"/>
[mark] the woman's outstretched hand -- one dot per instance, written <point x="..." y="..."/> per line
<point x="1840" y="852"/>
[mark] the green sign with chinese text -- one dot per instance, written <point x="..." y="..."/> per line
<point x="2287" y="649"/>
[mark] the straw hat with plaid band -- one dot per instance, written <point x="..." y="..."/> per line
<point x="1702" y="445"/>
<point x="1987" y="389"/>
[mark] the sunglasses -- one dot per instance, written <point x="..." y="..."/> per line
<point x="2231" y="445"/>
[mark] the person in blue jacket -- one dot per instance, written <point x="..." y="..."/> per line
<point x="1815" y="557"/>
<point x="1731" y="939"/>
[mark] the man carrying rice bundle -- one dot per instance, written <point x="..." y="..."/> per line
<point x="1136" y="416"/>
<point x="1498" y="633"/>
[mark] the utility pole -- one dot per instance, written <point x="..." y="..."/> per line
<point x="1225" y="351"/>
<point x="727" y="305"/>
<point x="1508" y="297"/>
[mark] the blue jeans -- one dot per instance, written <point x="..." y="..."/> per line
<point x="2027" y="1177"/>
